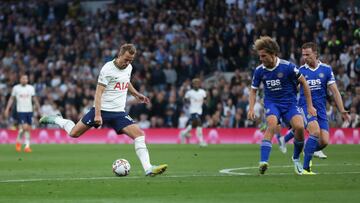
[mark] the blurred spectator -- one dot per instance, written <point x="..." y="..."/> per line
<point x="144" y="123"/>
<point x="354" y="120"/>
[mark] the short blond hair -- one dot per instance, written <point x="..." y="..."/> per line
<point x="127" y="48"/>
<point x="195" y="80"/>
<point x="267" y="44"/>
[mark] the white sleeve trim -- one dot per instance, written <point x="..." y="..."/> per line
<point x="254" y="87"/>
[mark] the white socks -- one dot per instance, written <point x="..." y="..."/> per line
<point x="27" y="139"/>
<point x="20" y="135"/>
<point x="199" y="134"/>
<point x="142" y="152"/>
<point x="65" y="124"/>
<point x="187" y="129"/>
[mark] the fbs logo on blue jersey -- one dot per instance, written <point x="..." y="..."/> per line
<point x="272" y="83"/>
<point x="314" y="82"/>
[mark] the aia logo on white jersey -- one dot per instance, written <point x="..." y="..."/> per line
<point x="121" y="86"/>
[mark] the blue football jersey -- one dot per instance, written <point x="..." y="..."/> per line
<point x="318" y="79"/>
<point x="279" y="82"/>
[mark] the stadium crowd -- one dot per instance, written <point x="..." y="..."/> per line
<point x="62" y="47"/>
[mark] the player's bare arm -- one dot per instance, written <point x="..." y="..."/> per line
<point x="37" y="103"/>
<point x="8" y="106"/>
<point x="140" y="97"/>
<point x="307" y="93"/>
<point x="339" y="103"/>
<point x="252" y="99"/>
<point x="100" y="88"/>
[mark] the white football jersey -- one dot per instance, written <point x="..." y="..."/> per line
<point x="196" y="98"/>
<point x="117" y="83"/>
<point x="23" y="95"/>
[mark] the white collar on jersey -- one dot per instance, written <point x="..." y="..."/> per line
<point x="313" y="69"/>
<point x="276" y="65"/>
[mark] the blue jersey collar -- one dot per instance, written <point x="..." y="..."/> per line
<point x="273" y="68"/>
<point x="318" y="65"/>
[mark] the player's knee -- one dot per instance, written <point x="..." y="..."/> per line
<point x="26" y="127"/>
<point x="138" y="134"/>
<point x="272" y="128"/>
<point x="298" y="127"/>
<point x="316" y="133"/>
<point x="324" y="142"/>
<point x="74" y="134"/>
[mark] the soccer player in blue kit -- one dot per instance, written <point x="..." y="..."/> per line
<point x="279" y="78"/>
<point x="319" y="77"/>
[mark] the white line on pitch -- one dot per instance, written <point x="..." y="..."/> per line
<point x="231" y="171"/>
<point x="106" y="178"/>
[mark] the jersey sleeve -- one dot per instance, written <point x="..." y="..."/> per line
<point x="187" y="95"/>
<point x="295" y="71"/>
<point x="14" y="91"/>
<point x="104" y="77"/>
<point x="256" y="79"/>
<point x="330" y="77"/>
<point x="32" y="91"/>
<point x="204" y="94"/>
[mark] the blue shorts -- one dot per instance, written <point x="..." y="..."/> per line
<point x="284" y="112"/>
<point x="195" y="117"/>
<point x="115" y="120"/>
<point x="321" y="117"/>
<point x="24" y="117"/>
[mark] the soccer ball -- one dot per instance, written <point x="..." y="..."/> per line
<point x="121" y="167"/>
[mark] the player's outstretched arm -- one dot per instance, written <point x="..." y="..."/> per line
<point x="8" y="106"/>
<point x="307" y="93"/>
<point x="37" y="103"/>
<point x="252" y="100"/>
<point x="142" y="98"/>
<point x="338" y="100"/>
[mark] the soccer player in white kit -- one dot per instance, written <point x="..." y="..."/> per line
<point x="110" y="98"/>
<point x="24" y="94"/>
<point x="196" y="97"/>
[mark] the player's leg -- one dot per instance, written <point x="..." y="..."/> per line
<point x="324" y="138"/>
<point x="25" y="120"/>
<point x="69" y="126"/>
<point x="199" y="131"/>
<point x="133" y="131"/>
<point x="312" y="144"/>
<point x="280" y="139"/>
<point x="289" y="135"/>
<point x="27" y="130"/>
<point x="77" y="130"/>
<point x="186" y="132"/>
<point x="19" y="139"/>
<point x="298" y="125"/>
<point x="21" y="119"/>
<point x="293" y="114"/>
<point x="265" y="146"/>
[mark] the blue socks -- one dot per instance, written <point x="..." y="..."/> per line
<point x="298" y="147"/>
<point x="289" y="136"/>
<point x="312" y="145"/>
<point x="265" y="149"/>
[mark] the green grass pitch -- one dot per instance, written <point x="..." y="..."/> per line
<point x="82" y="173"/>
